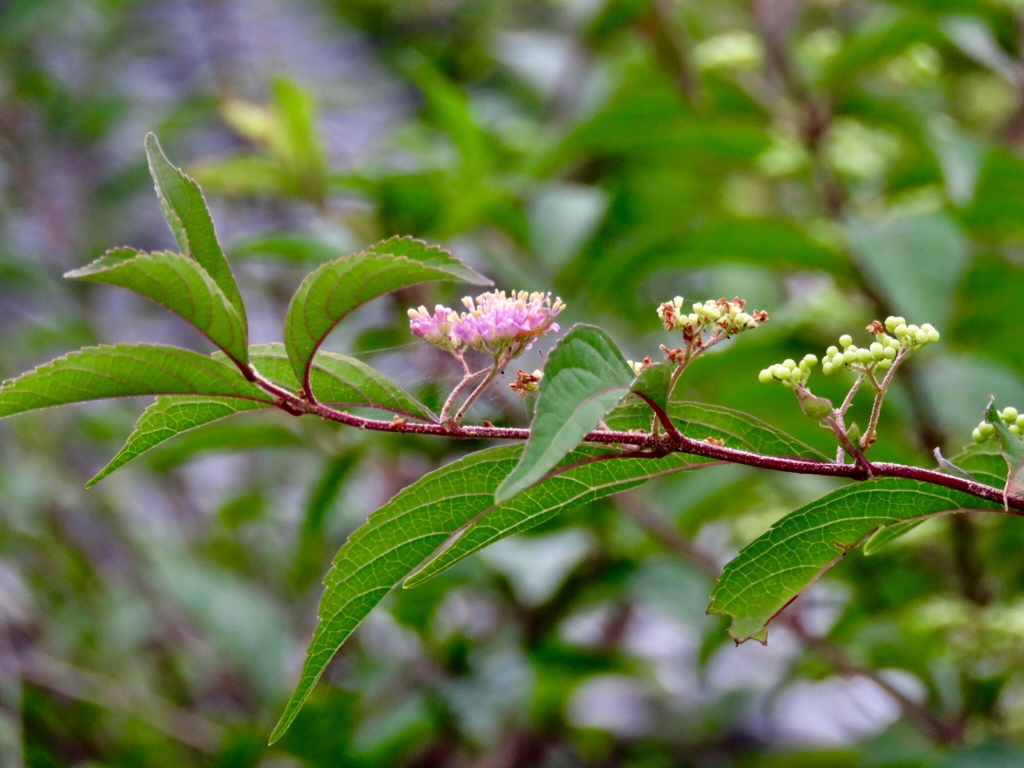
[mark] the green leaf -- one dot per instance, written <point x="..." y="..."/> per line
<point x="245" y="175"/>
<point x="876" y="43"/>
<point x="512" y="517"/>
<point x="915" y="262"/>
<point x="653" y="383"/>
<point x="979" y="323"/>
<point x="700" y="421"/>
<point x="775" y="568"/>
<point x="984" y="462"/>
<point x="1012" y="449"/>
<point x="886" y="535"/>
<point x="995" y="210"/>
<point x="584" y="378"/>
<point x="341" y="381"/>
<point x="420" y="518"/>
<point x="659" y="239"/>
<point x="338" y="287"/>
<point x="123" y="370"/>
<point x="295" y="139"/>
<point x="168" y="417"/>
<point x="189" y="218"/>
<point x="179" y="284"/>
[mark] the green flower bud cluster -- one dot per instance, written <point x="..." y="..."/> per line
<point x="729" y="316"/>
<point x="1011" y="418"/>
<point x="911" y="336"/>
<point x="880" y="355"/>
<point x="789" y="372"/>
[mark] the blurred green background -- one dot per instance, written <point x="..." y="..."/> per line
<point x="830" y="161"/>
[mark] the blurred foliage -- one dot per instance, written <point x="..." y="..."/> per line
<point x="829" y="161"/>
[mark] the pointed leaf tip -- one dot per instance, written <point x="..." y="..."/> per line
<point x="445" y="504"/>
<point x="188" y="216"/>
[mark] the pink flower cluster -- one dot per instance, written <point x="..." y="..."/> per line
<point x="494" y="322"/>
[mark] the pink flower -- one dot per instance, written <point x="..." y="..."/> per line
<point x="435" y="328"/>
<point x="496" y="321"/>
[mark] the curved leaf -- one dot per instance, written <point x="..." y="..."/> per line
<point x="338" y="287"/>
<point x="122" y="370"/>
<point x="177" y="283"/>
<point x="419" y="519"/>
<point x="189" y="219"/>
<point x="341" y="381"/>
<point x="170" y="416"/>
<point x="775" y="568"/>
<point x="585" y="376"/>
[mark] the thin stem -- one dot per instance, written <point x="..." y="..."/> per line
<point x="694" y="348"/>
<point x="678" y="443"/>
<point x="868" y="438"/>
<point x="450" y="402"/>
<point x="855" y="453"/>
<point x="476" y="393"/>
<point x="848" y="401"/>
